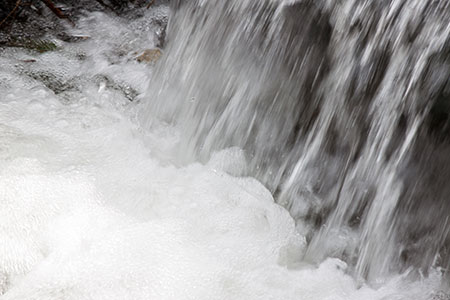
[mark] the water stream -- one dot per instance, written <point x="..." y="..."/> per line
<point x="330" y="102"/>
<point x="277" y="150"/>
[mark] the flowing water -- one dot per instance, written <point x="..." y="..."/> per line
<point x="333" y="103"/>
<point x="278" y="150"/>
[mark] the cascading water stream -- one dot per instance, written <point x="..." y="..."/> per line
<point x="330" y="101"/>
<point x="293" y="150"/>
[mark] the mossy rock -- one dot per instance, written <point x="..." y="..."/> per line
<point x="40" y="46"/>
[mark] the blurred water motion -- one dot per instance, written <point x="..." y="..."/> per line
<point x="342" y="108"/>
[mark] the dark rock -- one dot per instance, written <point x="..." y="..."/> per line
<point x="33" y="19"/>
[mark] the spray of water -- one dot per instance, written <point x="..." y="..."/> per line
<point x="331" y="101"/>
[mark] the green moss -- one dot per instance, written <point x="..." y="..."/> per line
<point x="40" y="46"/>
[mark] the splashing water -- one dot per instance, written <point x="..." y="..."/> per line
<point x="332" y="102"/>
<point x="93" y="206"/>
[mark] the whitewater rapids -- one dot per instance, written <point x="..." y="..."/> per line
<point x="92" y="207"/>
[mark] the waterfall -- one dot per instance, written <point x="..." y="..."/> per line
<point x="342" y="109"/>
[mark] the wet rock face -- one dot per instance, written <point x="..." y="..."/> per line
<point x="424" y="208"/>
<point x="436" y="85"/>
<point x="32" y="19"/>
<point x="306" y="33"/>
